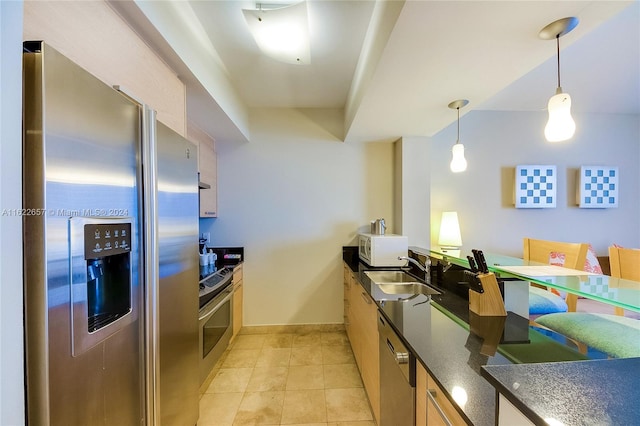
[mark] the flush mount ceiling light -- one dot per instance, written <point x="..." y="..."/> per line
<point x="458" y="162"/>
<point x="560" y="126"/>
<point x="281" y="31"/>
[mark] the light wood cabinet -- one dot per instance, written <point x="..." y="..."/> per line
<point x="207" y="166"/>
<point x="421" y="395"/>
<point x="433" y="408"/>
<point x="440" y="411"/>
<point x="238" y="296"/>
<point x="361" y="323"/>
<point x="347" y="301"/>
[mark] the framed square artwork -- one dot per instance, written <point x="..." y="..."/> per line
<point x="535" y="187"/>
<point x="597" y="187"/>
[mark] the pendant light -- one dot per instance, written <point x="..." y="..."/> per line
<point x="560" y="126"/>
<point x="458" y="162"/>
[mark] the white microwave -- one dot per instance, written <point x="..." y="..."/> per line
<point x="382" y="250"/>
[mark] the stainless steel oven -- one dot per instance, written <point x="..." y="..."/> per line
<point x="215" y="319"/>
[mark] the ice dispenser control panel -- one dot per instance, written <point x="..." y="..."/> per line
<point x="107" y="251"/>
<point x="101" y="240"/>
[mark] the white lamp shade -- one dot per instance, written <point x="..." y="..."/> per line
<point x="560" y="126"/>
<point x="282" y="33"/>
<point x="450" y="231"/>
<point x="458" y="162"/>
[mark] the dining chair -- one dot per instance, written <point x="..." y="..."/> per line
<point x="568" y="255"/>
<point x="615" y="335"/>
<point x="624" y="263"/>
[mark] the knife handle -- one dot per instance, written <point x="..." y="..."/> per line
<point x="483" y="263"/>
<point x="476" y="255"/>
<point x="472" y="264"/>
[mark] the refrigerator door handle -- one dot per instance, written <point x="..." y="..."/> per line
<point x="152" y="263"/>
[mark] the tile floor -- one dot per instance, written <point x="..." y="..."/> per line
<point x="303" y="375"/>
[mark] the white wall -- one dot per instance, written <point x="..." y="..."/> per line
<point x="293" y="197"/>
<point x="496" y="142"/>
<point x="11" y="346"/>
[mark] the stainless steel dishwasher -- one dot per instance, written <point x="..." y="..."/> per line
<point x="397" y="379"/>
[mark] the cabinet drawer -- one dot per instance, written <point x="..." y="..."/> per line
<point x="440" y="411"/>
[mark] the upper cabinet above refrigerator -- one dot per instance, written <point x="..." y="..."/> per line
<point x="207" y="169"/>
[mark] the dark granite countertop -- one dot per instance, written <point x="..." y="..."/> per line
<point x="447" y="341"/>
<point x="594" y="392"/>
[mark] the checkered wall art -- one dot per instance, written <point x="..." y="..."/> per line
<point x="597" y="187"/>
<point x="535" y="187"/>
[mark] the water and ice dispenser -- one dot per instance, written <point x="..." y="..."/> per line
<point x="107" y="253"/>
<point x="102" y="304"/>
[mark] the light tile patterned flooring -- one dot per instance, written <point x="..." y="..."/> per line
<point x="295" y="375"/>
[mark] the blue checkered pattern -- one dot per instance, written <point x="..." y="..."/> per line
<point x="535" y="186"/>
<point x="598" y="187"/>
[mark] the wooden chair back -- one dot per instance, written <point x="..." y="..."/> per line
<point x="575" y="256"/>
<point x="541" y="251"/>
<point x="625" y="263"/>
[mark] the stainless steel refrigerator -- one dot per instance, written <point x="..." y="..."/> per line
<point x="110" y="206"/>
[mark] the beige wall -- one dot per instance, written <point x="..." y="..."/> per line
<point x="91" y="34"/>
<point x="293" y="197"/>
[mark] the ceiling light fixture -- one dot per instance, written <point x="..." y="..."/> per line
<point x="458" y="162"/>
<point x="281" y="31"/>
<point x="560" y="126"/>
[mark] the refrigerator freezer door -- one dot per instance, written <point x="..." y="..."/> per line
<point x="80" y="148"/>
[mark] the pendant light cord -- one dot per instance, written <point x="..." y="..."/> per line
<point x="558" y="55"/>
<point x="458" y="140"/>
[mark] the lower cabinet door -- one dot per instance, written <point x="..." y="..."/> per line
<point x="238" y="296"/>
<point x="371" y="355"/>
<point x="421" y="395"/>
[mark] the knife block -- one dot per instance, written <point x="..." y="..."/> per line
<point x="489" y="303"/>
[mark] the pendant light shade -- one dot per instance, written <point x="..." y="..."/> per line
<point x="458" y="162"/>
<point x="560" y="125"/>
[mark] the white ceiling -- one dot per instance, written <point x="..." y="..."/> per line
<point x="393" y="66"/>
<point x="337" y="30"/>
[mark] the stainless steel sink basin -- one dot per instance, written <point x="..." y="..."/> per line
<point x="399" y="284"/>
<point x="407" y="288"/>
<point x="386" y="277"/>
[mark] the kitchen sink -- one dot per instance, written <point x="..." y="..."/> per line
<point x="388" y="277"/>
<point x="407" y="288"/>
<point x="398" y="284"/>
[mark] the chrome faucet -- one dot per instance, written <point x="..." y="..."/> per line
<point x="424" y="268"/>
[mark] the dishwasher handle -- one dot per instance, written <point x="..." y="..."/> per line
<point x="400" y="357"/>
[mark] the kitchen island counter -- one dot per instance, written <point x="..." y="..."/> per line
<point x="453" y="345"/>
<point x="596" y="392"/>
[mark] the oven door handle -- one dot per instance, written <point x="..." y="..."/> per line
<point x="205" y="316"/>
